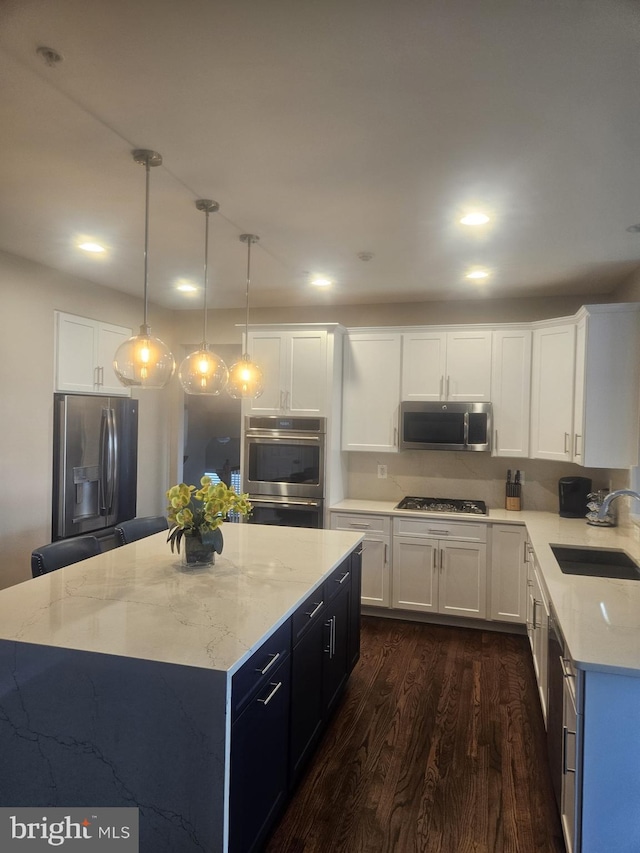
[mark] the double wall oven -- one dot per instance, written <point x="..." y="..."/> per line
<point x="284" y="465"/>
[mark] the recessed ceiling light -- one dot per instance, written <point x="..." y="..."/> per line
<point x="94" y="248"/>
<point x="319" y="281"/>
<point x="474" y="218"/>
<point x="477" y="275"/>
<point x="186" y="287"/>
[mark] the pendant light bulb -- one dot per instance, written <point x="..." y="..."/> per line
<point x="144" y="361"/>
<point x="203" y="372"/>
<point x="246" y="379"/>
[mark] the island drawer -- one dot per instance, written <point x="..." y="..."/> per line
<point x="338" y="579"/>
<point x="308" y="613"/>
<point x="259" y="668"/>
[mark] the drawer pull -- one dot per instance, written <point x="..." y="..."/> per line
<point x="361" y="525"/>
<point x="315" y="609"/>
<point x="439" y="532"/>
<point x="268" y="699"/>
<point x="565" y="767"/>
<point x="343" y="578"/>
<point x="274" y="658"/>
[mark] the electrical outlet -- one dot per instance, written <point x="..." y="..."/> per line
<point x="382" y="472"/>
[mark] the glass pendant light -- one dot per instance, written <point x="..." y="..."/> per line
<point x="144" y="361"/>
<point x="204" y="372"/>
<point x="245" y="377"/>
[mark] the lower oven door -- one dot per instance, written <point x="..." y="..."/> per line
<point x="286" y="512"/>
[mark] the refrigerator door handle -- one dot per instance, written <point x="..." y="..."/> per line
<point x="112" y="471"/>
<point x="104" y="461"/>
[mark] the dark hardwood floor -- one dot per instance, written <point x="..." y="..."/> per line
<point x="438" y="746"/>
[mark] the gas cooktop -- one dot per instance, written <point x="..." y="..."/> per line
<point x="443" y="505"/>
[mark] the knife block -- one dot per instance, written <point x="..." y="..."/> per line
<point x="513" y="503"/>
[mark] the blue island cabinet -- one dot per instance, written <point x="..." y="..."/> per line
<point x="204" y="751"/>
<point x="295" y="691"/>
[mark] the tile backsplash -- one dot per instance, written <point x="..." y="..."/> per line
<point x="476" y="476"/>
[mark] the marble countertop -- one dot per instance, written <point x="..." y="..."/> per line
<point x="599" y="617"/>
<point x="138" y="601"/>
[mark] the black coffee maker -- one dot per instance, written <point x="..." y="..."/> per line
<point x="572" y="495"/>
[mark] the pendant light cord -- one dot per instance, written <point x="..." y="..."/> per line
<point x="246" y="326"/>
<point x="206" y="268"/>
<point x="147" y="167"/>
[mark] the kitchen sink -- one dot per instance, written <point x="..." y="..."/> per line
<point x="596" y="562"/>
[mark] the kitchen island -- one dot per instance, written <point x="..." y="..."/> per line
<point x="121" y="676"/>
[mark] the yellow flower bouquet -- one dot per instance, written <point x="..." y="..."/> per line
<point x="199" y="513"/>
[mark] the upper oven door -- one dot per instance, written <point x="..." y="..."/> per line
<point x="287" y="466"/>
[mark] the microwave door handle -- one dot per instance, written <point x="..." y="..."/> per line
<point x="466" y="429"/>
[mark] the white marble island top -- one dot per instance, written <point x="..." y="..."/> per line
<point x="138" y="602"/>
<point x="599" y="617"/>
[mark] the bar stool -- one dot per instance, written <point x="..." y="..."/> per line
<point x="140" y="528"/>
<point x="55" y="556"/>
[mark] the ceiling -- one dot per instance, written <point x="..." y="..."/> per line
<point x="329" y="128"/>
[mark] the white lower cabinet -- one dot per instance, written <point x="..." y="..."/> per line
<point x="538" y="627"/>
<point x="376" y="554"/>
<point x="508" y="573"/>
<point x="440" y="567"/>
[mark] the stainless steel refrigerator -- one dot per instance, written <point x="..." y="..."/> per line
<point x="95" y="448"/>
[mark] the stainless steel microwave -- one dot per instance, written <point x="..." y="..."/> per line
<point x="445" y="426"/>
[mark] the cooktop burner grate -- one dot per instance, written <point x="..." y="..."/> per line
<point x="443" y="505"/>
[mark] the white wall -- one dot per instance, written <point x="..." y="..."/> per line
<point x="30" y="294"/>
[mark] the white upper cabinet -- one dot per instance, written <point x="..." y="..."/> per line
<point x="371" y="391"/>
<point x="553" y="372"/>
<point x="511" y="392"/>
<point x="295" y="368"/>
<point x="607" y="379"/>
<point x="452" y="365"/>
<point x="84" y="355"/>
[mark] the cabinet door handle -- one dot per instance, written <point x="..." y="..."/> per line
<point x="266" y="669"/>
<point x="575" y="443"/>
<point x="434" y="566"/>
<point x="565" y="767"/>
<point x="526" y="558"/>
<point x="331" y="648"/>
<point x="441" y="386"/>
<point x="534" y="623"/>
<point x="441" y="558"/>
<point x="567" y="441"/>
<point x="96" y="375"/>
<point x="343" y="578"/>
<point x="315" y="609"/>
<point x="386" y="553"/>
<point x="448" y="381"/>
<point x="268" y="699"/>
<point x="566" y="672"/>
<point x="496" y="441"/>
<point x="395" y="436"/>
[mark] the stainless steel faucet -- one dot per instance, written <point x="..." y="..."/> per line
<point x="611" y="497"/>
